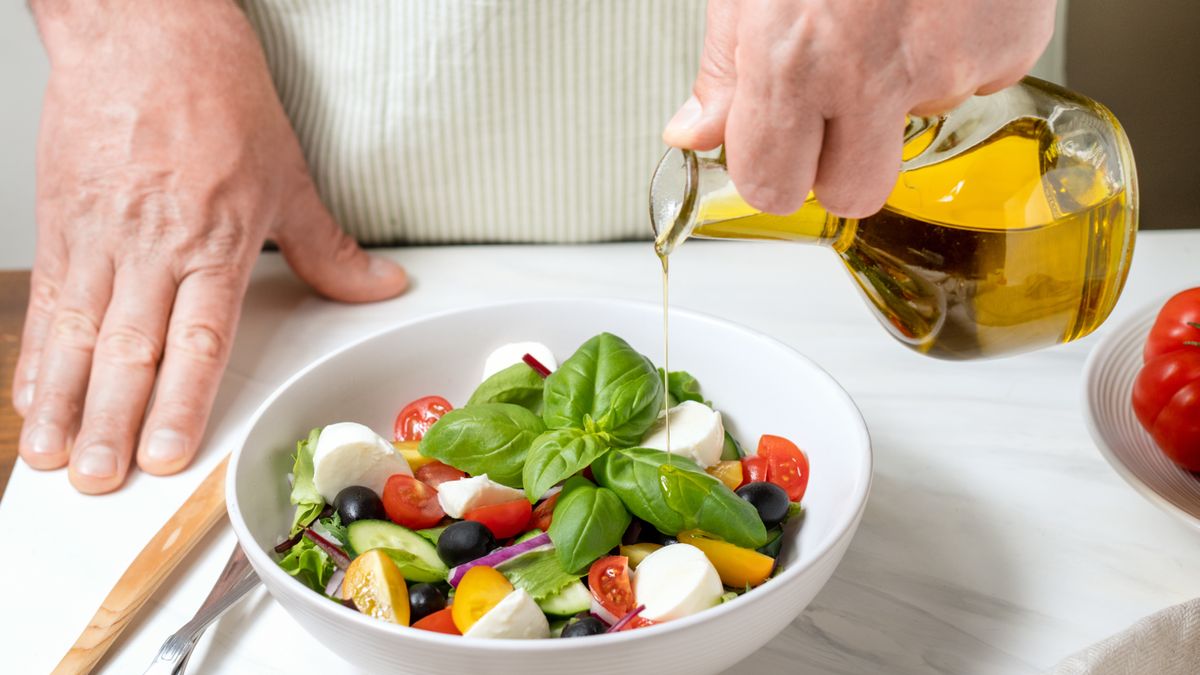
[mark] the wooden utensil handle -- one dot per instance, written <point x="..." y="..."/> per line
<point x="146" y="573"/>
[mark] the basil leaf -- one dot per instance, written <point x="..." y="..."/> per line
<point x="558" y="454"/>
<point x="681" y="386"/>
<point x="304" y="495"/>
<point x="538" y="572"/>
<point x="588" y="522"/>
<point x="606" y="387"/>
<point x="491" y="438"/>
<point x="673" y="494"/>
<point x="517" y="384"/>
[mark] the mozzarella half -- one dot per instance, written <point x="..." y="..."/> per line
<point x="676" y="581"/>
<point x="459" y="496"/>
<point x="696" y="433"/>
<point x="348" y="454"/>
<point x="517" y="617"/>
<point x="512" y="353"/>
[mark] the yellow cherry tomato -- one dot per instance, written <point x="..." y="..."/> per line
<point x="481" y="589"/>
<point x="737" y="566"/>
<point x="408" y="450"/>
<point x="376" y="587"/>
<point x="728" y="472"/>
<point x="638" y="552"/>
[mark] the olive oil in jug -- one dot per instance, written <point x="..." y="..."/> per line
<point x="1010" y="227"/>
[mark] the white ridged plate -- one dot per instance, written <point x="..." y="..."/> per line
<point x="1107" y="387"/>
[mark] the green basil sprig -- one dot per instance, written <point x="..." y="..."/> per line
<point x="518" y="384"/>
<point x="606" y="387"/>
<point x="557" y="454"/>
<point x="491" y="438"/>
<point x="673" y="494"/>
<point x="588" y="522"/>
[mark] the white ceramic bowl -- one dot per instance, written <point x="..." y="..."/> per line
<point x="761" y="385"/>
<point x="1108" y="379"/>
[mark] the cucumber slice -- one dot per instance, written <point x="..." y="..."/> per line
<point x="413" y="554"/>
<point x="731" y="449"/>
<point x="569" y="601"/>
<point x="528" y="535"/>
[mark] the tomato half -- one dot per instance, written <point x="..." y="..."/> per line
<point x="787" y="465"/>
<point x="481" y="589"/>
<point x="1178" y="323"/>
<point x="1166" y="400"/>
<point x="504" y="520"/>
<point x="416" y="417"/>
<point x="608" y="579"/>
<point x="411" y="503"/>
<point x="544" y="514"/>
<point x="754" y="468"/>
<point x="441" y="621"/>
<point x="435" y="473"/>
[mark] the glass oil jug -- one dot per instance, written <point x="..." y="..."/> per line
<point x="1010" y="227"/>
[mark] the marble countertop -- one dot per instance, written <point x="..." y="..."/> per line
<point x="996" y="539"/>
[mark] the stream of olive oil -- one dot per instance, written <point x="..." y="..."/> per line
<point x="666" y="356"/>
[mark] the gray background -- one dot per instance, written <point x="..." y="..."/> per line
<point x="1139" y="57"/>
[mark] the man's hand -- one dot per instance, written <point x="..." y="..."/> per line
<point x="811" y="94"/>
<point x="164" y="162"/>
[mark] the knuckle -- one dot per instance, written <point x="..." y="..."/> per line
<point x="130" y="347"/>
<point x="199" y="341"/>
<point x="55" y="405"/>
<point x="43" y="298"/>
<point x="73" y="328"/>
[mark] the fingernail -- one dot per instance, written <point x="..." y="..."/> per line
<point x="98" y="461"/>
<point x="47" y="440"/>
<point x="381" y="267"/>
<point x="686" y="117"/>
<point x="24" y="398"/>
<point x="165" y="445"/>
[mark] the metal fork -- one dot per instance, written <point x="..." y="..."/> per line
<point x="237" y="579"/>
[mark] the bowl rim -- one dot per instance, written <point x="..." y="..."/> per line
<point x="1100" y="355"/>
<point x="842" y="527"/>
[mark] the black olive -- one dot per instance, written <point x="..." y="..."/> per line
<point x="465" y="541"/>
<point x="768" y="498"/>
<point x="358" y="503"/>
<point x="588" y="625"/>
<point x="423" y="600"/>
<point x="651" y="535"/>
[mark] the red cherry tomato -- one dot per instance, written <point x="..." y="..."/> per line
<point x="1178" y="323"/>
<point x="787" y="465"/>
<point x="754" y="468"/>
<point x="543" y="514"/>
<point x="608" y="579"/>
<point x="435" y="473"/>
<point x="1166" y="400"/>
<point x="411" y="503"/>
<point x="416" y="417"/>
<point x="440" y="621"/>
<point x="504" y="520"/>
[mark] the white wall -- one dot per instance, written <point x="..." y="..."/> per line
<point x="23" y="72"/>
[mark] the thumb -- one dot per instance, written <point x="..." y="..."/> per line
<point x="329" y="260"/>
<point x="700" y="122"/>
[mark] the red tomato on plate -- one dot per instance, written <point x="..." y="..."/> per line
<point x="504" y="520"/>
<point x="1178" y="323"/>
<point x="754" y="468"/>
<point x="435" y="473"/>
<point x="440" y="621"/>
<point x="1166" y="400"/>
<point x="787" y="465"/>
<point x="416" y="417"/>
<point x="608" y="579"/>
<point x="411" y="503"/>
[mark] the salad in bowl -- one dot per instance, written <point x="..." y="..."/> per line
<point x="598" y="496"/>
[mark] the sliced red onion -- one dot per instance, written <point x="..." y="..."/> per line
<point x="498" y="556"/>
<point x="334" y="588"/>
<point x="287" y="544"/>
<point x="340" y="558"/>
<point x="537" y="366"/>
<point x="626" y="619"/>
<point x="604" y="615"/>
<point x="551" y="492"/>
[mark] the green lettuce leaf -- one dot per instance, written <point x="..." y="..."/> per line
<point x="308" y="563"/>
<point x="304" y="493"/>
<point x="538" y="572"/>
